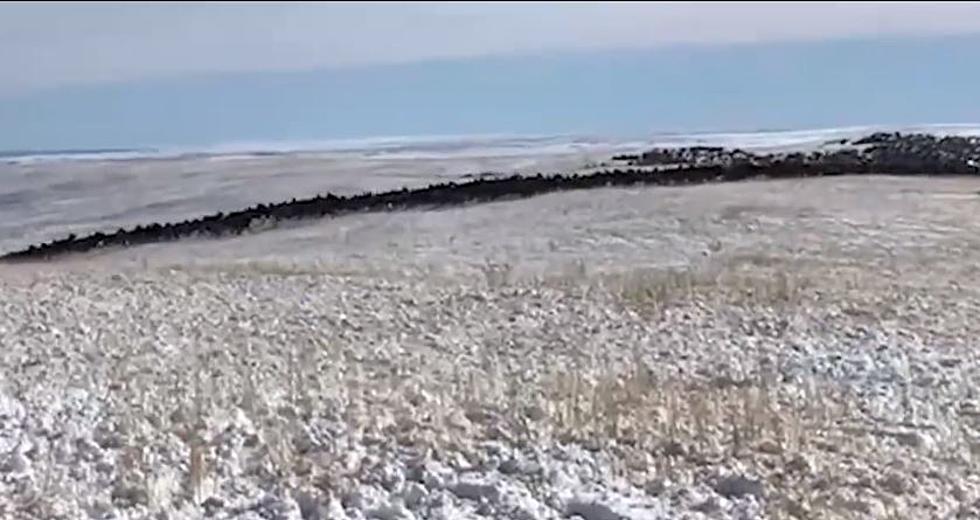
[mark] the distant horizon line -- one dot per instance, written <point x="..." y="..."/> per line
<point x="328" y="144"/>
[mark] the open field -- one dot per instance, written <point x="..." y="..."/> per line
<point x="48" y="200"/>
<point x="784" y="349"/>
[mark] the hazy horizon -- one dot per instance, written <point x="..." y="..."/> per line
<point x="156" y="75"/>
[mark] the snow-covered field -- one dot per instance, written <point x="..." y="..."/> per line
<point x="785" y="349"/>
<point x="48" y="196"/>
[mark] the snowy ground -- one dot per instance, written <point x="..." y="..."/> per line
<point x="44" y="201"/>
<point x="790" y="349"/>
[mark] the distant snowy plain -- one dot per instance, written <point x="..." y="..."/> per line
<point x="46" y="196"/>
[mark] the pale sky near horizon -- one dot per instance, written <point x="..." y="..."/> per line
<point x="46" y="45"/>
<point x="79" y="75"/>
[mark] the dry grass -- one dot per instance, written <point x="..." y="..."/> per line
<point x="732" y="281"/>
<point x="658" y="425"/>
<point x="670" y="429"/>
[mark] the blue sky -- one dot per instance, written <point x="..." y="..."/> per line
<point x="129" y="75"/>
